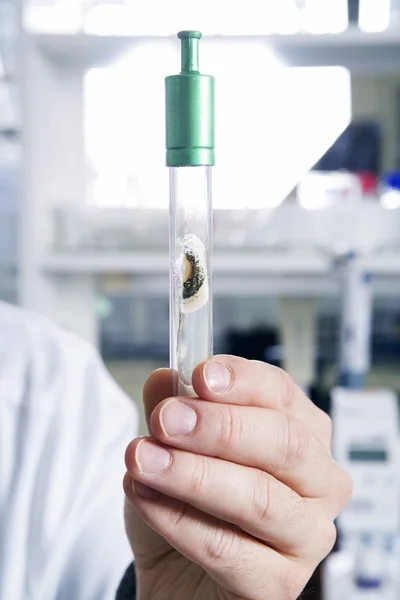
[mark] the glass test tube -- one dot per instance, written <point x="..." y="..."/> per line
<point x="191" y="293"/>
<point x="190" y="156"/>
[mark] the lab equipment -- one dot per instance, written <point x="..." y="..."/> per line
<point x="366" y="443"/>
<point x="353" y="12"/>
<point x="371" y="570"/>
<point x="319" y="190"/>
<point x="9" y="186"/>
<point x="190" y="156"/>
<point x="355" y="331"/>
<point x="389" y="190"/>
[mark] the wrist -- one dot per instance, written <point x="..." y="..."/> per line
<point x="144" y="585"/>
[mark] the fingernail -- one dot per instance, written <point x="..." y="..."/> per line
<point x="177" y="418"/>
<point x="144" y="491"/>
<point x="152" y="458"/>
<point x="217" y="376"/>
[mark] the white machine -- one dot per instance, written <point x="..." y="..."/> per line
<point x="367" y="443"/>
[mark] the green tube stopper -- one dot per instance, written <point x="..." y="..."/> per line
<point x="189" y="102"/>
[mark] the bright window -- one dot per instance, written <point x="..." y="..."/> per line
<point x="272" y="123"/>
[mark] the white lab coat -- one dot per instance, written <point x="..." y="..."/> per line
<point x="64" y="427"/>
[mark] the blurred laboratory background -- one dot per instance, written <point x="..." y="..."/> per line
<point x="306" y="220"/>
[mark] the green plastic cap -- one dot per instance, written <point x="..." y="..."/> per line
<point x="189" y="103"/>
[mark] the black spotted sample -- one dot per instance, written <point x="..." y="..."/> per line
<point x="194" y="277"/>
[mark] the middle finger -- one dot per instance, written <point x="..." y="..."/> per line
<point x="256" y="437"/>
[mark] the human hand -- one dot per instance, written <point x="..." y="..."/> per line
<point x="234" y="497"/>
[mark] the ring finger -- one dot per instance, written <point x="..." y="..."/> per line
<point x="252" y="500"/>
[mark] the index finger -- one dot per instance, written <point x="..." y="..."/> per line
<point x="233" y="380"/>
<point x="248" y="383"/>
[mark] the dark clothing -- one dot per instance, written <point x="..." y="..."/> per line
<point x="127" y="587"/>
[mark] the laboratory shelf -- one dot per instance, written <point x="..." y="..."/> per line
<point x="234" y="262"/>
<point x="351" y="38"/>
<point x="242" y="274"/>
<point x="384" y="264"/>
<point x="87" y="263"/>
<point x="247" y="262"/>
<point x="354" y="49"/>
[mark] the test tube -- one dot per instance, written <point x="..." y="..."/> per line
<point x="190" y="157"/>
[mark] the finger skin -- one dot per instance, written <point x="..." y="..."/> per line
<point x="146" y="544"/>
<point x="159" y="385"/>
<point x="258" y="504"/>
<point x="276" y="565"/>
<point x="253" y="384"/>
<point x="240" y="564"/>
<point x="262" y="438"/>
<point x="292" y="451"/>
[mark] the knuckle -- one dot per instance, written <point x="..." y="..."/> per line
<point x="326" y="538"/>
<point x="199" y="478"/>
<point x="222" y="546"/>
<point x="295" y="508"/>
<point x="294" y="441"/>
<point x="270" y="500"/>
<point x="286" y="389"/>
<point x="322" y="533"/>
<point x="330" y="537"/>
<point x="230" y="427"/>
<point x="174" y="524"/>
<point x="340" y="490"/>
<point x="262" y="497"/>
<point x="344" y="486"/>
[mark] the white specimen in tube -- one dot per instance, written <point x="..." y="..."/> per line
<point x="194" y="294"/>
<point x="194" y="275"/>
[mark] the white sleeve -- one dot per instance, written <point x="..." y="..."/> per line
<point x="100" y="553"/>
<point x="64" y="427"/>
